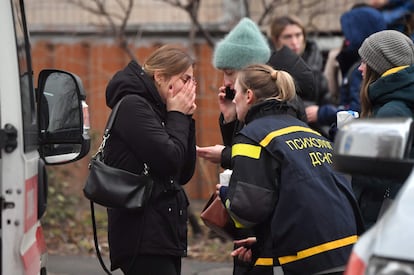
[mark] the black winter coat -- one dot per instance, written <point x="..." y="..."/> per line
<point x="144" y="132"/>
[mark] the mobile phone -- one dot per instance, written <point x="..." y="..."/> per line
<point x="229" y="93"/>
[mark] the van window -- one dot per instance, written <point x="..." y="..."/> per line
<point x="26" y="77"/>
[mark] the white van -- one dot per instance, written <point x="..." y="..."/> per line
<point x="47" y="125"/>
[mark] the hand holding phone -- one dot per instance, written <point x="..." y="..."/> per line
<point x="230" y="93"/>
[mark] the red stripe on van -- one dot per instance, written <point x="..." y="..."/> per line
<point x="30" y="203"/>
<point x="31" y="257"/>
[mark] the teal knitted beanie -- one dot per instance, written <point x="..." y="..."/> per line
<point x="243" y="45"/>
<point x="387" y="49"/>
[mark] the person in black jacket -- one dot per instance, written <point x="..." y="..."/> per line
<point x="357" y="24"/>
<point x="283" y="186"/>
<point x="154" y="126"/>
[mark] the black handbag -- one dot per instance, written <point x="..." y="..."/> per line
<point x="113" y="187"/>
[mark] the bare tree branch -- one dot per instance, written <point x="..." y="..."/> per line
<point x="246" y="7"/>
<point x="122" y="6"/>
<point x="310" y="4"/>
<point x="117" y="19"/>
<point x="192" y="9"/>
<point x="94" y="10"/>
<point x="99" y="7"/>
<point x="268" y="9"/>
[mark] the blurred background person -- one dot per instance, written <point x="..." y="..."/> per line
<point x="289" y="31"/>
<point x="356" y="24"/>
<point x="398" y="14"/>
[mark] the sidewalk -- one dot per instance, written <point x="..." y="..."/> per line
<point x="83" y="265"/>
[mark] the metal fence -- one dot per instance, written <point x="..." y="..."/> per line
<point x="66" y="15"/>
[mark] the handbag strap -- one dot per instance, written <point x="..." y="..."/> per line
<point x="107" y="131"/>
<point x="112" y="116"/>
<point x="114" y="111"/>
<point x="95" y="240"/>
<point x="106" y="134"/>
<point x="108" y="126"/>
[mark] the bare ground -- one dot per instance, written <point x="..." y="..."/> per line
<point x="74" y="236"/>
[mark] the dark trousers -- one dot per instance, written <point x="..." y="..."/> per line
<point x="242" y="268"/>
<point x="154" y="265"/>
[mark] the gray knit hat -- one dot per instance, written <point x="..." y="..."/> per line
<point x="243" y="45"/>
<point x="387" y="49"/>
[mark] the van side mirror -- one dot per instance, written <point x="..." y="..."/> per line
<point x="378" y="147"/>
<point x="63" y="123"/>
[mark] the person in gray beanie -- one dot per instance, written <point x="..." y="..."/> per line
<point x="356" y="24"/>
<point x="387" y="58"/>
<point x="387" y="49"/>
<point x="387" y="69"/>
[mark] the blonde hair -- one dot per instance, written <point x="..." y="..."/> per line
<point x="370" y="77"/>
<point x="267" y="83"/>
<point x="168" y="60"/>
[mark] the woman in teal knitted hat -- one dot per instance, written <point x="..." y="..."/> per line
<point x="387" y="69"/>
<point x="245" y="44"/>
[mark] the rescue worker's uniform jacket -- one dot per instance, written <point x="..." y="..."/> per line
<point x="303" y="213"/>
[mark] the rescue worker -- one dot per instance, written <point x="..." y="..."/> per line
<point x="303" y="213"/>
